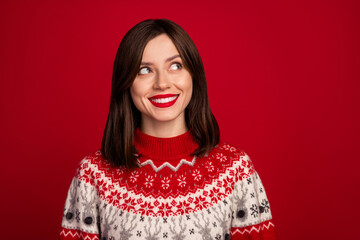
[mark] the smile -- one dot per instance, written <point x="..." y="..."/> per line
<point x="163" y="101"/>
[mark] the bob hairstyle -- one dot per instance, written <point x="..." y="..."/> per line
<point x="123" y="119"/>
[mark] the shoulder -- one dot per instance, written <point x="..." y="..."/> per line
<point x="91" y="161"/>
<point x="231" y="151"/>
<point x="91" y="166"/>
<point x="238" y="159"/>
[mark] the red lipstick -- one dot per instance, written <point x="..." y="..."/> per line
<point x="164" y="100"/>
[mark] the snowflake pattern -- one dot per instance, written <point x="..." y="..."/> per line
<point x="216" y="195"/>
<point x="221" y="157"/>
<point x="183" y="208"/>
<point x="146" y="209"/>
<point x="254" y="210"/>
<point x="196" y="174"/>
<point x="200" y="203"/>
<point x="265" y="205"/>
<point x="164" y="210"/>
<point x="209" y="166"/>
<point x="149" y="181"/>
<point x="134" y="176"/>
<point x="228" y="184"/>
<point x="165" y="183"/>
<point x="182" y="181"/>
<point x="229" y="148"/>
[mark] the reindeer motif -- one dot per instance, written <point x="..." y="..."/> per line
<point x="204" y="229"/>
<point x="70" y="213"/>
<point x="108" y="221"/>
<point x="241" y="210"/>
<point x="88" y="215"/>
<point x="178" y="235"/>
<point x="154" y="235"/>
<point x="222" y="219"/>
<point x="125" y="232"/>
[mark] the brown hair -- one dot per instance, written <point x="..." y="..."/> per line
<point x="117" y="143"/>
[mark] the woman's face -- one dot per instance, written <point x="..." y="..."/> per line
<point x="163" y="87"/>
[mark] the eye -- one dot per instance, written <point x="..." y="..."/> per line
<point x="175" y="66"/>
<point x="144" y="70"/>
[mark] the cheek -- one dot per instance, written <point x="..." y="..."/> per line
<point x="188" y="87"/>
<point x="189" y="92"/>
<point x="135" y="95"/>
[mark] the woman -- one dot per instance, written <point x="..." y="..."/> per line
<point x="162" y="171"/>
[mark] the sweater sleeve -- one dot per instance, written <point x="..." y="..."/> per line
<point x="251" y="210"/>
<point x="80" y="217"/>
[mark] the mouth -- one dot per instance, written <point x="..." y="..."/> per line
<point x="165" y="100"/>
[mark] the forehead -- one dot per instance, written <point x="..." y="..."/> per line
<point x="159" y="48"/>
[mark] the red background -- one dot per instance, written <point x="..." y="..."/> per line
<point x="283" y="82"/>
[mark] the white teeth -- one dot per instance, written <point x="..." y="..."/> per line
<point x="163" y="100"/>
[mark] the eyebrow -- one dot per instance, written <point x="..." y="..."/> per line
<point x="167" y="60"/>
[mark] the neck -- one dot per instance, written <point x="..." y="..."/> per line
<point x="164" y="129"/>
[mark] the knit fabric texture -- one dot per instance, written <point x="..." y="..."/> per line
<point x="172" y="195"/>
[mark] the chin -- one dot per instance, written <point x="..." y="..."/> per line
<point x="165" y="118"/>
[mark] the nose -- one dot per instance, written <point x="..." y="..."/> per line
<point x="162" y="81"/>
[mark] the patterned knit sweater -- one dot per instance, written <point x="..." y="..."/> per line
<point x="173" y="195"/>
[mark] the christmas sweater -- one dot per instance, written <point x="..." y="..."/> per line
<point x="172" y="195"/>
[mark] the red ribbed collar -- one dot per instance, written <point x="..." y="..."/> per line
<point x="165" y="149"/>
